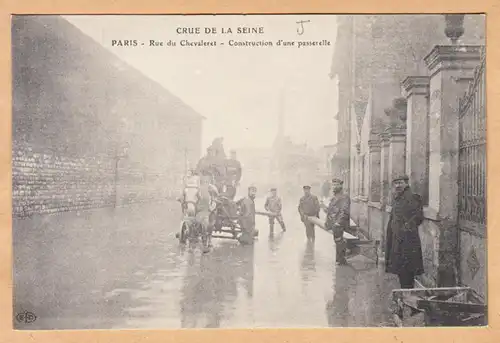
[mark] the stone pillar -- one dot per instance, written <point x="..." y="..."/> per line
<point x="384" y="183"/>
<point x="451" y="69"/>
<point x="397" y="152"/>
<point x="397" y="139"/>
<point x="384" y="168"/>
<point x="374" y="175"/>
<point x="416" y="91"/>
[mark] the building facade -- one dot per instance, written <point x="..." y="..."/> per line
<point x="88" y="129"/>
<point x="399" y="114"/>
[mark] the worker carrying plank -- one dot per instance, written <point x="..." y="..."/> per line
<point x="338" y="218"/>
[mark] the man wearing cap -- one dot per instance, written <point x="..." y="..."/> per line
<point x="233" y="175"/>
<point x="403" y="245"/>
<point x="309" y="207"/>
<point x="274" y="205"/>
<point x="247" y="216"/>
<point x="205" y="164"/>
<point x="338" y="219"/>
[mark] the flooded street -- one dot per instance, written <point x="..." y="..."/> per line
<point x="124" y="268"/>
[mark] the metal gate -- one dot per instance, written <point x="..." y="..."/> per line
<point x="472" y="155"/>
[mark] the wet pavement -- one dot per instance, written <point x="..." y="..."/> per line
<point x="124" y="268"/>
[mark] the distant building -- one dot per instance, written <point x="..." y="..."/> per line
<point x="256" y="165"/>
<point x="88" y="129"/>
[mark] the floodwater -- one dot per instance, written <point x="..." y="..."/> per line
<point x="124" y="268"/>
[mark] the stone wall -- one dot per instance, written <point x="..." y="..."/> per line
<point x="429" y="237"/>
<point x="473" y="266"/>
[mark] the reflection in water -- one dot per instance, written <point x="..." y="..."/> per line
<point x="274" y="241"/>
<point x="308" y="262"/>
<point x="210" y="286"/>
<point x="349" y="308"/>
<point x="307" y="266"/>
<point x="338" y="308"/>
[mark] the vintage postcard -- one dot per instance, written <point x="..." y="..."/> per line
<point x="248" y="171"/>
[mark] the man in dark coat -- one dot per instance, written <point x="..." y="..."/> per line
<point x="247" y="216"/>
<point x="233" y="175"/>
<point x="213" y="165"/>
<point x="338" y="219"/>
<point x="309" y="207"/>
<point x="403" y="247"/>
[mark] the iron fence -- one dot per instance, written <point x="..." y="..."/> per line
<point x="472" y="154"/>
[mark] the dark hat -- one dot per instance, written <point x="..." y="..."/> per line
<point x="306" y="187"/>
<point x="401" y="177"/>
<point x="338" y="181"/>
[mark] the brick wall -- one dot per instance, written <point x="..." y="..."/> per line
<point x="75" y="105"/>
<point x="47" y="183"/>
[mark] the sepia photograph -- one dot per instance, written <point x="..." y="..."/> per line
<point x="248" y="171"/>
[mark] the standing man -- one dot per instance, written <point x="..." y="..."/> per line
<point x="205" y="164"/>
<point x="338" y="219"/>
<point x="274" y="205"/>
<point x="233" y="175"/>
<point x="403" y="246"/>
<point x="309" y="207"/>
<point x="247" y="216"/>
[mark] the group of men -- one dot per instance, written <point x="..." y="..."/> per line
<point x="403" y="250"/>
<point x="225" y="172"/>
<point x="337" y="215"/>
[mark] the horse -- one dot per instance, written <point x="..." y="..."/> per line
<point x="196" y="223"/>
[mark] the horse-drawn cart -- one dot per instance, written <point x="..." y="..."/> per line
<point x="225" y="223"/>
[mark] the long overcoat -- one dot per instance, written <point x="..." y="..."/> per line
<point x="403" y="246"/>
<point x="247" y="219"/>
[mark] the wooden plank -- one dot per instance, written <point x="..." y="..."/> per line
<point x="429" y="292"/>
<point x="348" y="236"/>
<point x="321" y="224"/>
<point x="265" y="213"/>
<point x="226" y="237"/>
<point x="447" y="306"/>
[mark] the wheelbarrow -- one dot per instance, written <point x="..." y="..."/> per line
<point x="445" y="306"/>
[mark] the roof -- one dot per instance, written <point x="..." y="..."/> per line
<point x="75" y="39"/>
